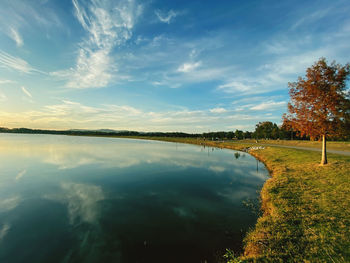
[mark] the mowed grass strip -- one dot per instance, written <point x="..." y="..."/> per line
<point x="306" y="207"/>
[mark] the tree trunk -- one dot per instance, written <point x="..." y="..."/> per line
<point x="324" y="151"/>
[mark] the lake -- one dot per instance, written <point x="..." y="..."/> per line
<point x="89" y="199"/>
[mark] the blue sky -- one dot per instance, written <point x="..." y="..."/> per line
<point x="188" y="66"/>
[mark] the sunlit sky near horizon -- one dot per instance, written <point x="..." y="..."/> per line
<point x="154" y="65"/>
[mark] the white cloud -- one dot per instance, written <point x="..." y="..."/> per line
<point x="15" y="15"/>
<point x="155" y="61"/>
<point x="18" y="64"/>
<point x="238" y="86"/>
<point x="276" y="48"/>
<point x="274" y="75"/>
<point x="311" y="18"/>
<point x="25" y="91"/>
<point x="93" y="70"/>
<point x="269" y="105"/>
<point x="82" y="201"/>
<point x="166" y="18"/>
<point x="80" y="14"/>
<point x="9" y="203"/>
<point x="21" y="174"/>
<point x="184" y="212"/>
<point x="14" y="34"/>
<point x="108" y="25"/>
<point x="74" y="115"/>
<point x="6" y="81"/>
<point x="289" y="65"/>
<point x="128" y="109"/>
<point x="188" y="67"/>
<point x="287" y="56"/>
<point x="218" y="110"/>
<point x="3" y="230"/>
<point x="217" y="169"/>
<point x="202" y="74"/>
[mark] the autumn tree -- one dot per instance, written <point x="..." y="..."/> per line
<point x="320" y="103"/>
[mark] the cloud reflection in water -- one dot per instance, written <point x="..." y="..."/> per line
<point x="82" y="201"/>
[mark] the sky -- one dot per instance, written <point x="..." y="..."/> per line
<point x="160" y="65"/>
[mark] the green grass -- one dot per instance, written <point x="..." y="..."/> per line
<point x="306" y="207"/>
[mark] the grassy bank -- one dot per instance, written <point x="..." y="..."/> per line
<point x="331" y="145"/>
<point x="306" y="208"/>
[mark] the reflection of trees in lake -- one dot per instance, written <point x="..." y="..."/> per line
<point x="237" y="155"/>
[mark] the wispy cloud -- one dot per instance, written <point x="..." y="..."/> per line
<point x="238" y="86"/>
<point x="93" y="70"/>
<point x="108" y="24"/>
<point x="9" y="203"/>
<point x="166" y="17"/>
<point x="277" y="71"/>
<point x="311" y="18"/>
<point x="218" y="110"/>
<point x="83" y="201"/>
<point x="16" y="63"/>
<point x="165" y="60"/>
<point x="25" y="91"/>
<point x="14" y="34"/>
<point x="21" y="174"/>
<point x="70" y="114"/>
<point x="188" y="67"/>
<point x="3" y="230"/>
<point x="19" y="15"/>
<point x="6" y="81"/>
<point x="269" y="105"/>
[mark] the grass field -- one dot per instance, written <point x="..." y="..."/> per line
<point x="306" y="207"/>
<point x="331" y="145"/>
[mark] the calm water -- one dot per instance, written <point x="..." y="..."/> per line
<point x="82" y="199"/>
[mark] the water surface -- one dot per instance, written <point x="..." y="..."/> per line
<point x="85" y="199"/>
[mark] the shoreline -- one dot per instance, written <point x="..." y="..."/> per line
<point x="305" y="206"/>
<point x="302" y="220"/>
<point x="237" y="147"/>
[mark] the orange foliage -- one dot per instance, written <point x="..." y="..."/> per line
<point x="320" y="103"/>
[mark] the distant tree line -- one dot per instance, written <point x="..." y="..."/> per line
<point x="97" y="132"/>
<point x="266" y="130"/>
<point x="263" y="130"/>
